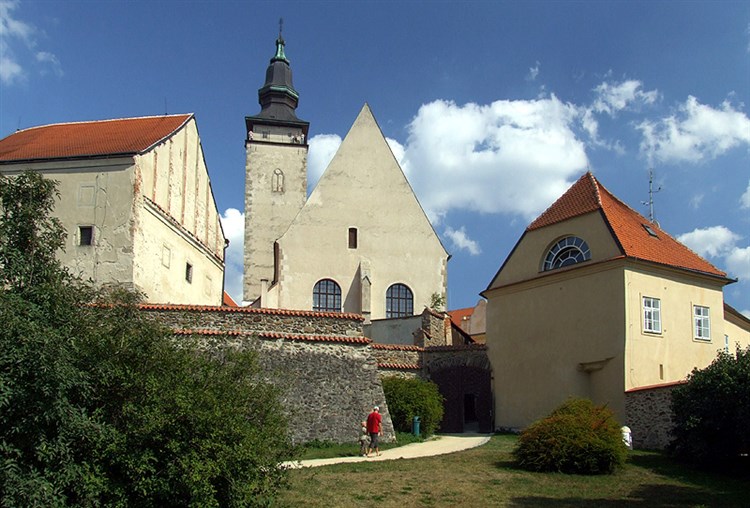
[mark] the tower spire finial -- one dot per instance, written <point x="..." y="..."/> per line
<point x="281" y="26"/>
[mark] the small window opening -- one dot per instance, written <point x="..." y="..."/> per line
<point x="352" y="238"/>
<point x="189" y="272"/>
<point x="661" y="371"/>
<point x="650" y="231"/>
<point x="85" y="235"/>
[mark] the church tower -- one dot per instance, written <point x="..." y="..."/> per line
<point x="275" y="173"/>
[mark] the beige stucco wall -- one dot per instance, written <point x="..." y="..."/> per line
<point x="738" y="332"/>
<point x="113" y="196"/>
<point x="96" y="193"/>
<point x="547" y="340"/>
<point x="656" y="358"/>
<point x="363" y="188"/>
<point x="270" y="210"/>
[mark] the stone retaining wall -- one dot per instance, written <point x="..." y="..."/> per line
<point x="324" y="365"/>
<point x="648" y="414"/>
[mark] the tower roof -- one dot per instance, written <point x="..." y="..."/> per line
<point x="119" y="137"/>
<point x="637" y="236"/>
<point x="277" y="97"/>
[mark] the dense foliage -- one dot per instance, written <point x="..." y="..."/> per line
<point x="407" y="398"/>
<point x="99" y="406"/>
<point x="578" y="437"/>
<point x="712" y="412"/>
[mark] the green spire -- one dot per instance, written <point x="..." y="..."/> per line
<point x="279" y="51"/>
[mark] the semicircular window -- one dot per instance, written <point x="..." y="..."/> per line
<point x="568" y="251"/>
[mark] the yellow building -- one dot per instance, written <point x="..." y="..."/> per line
<point x="135" y="201"/>
<point x="594" y="300"/>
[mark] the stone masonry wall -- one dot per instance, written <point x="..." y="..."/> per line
<point x="323" y="364"/>
<point x="649" y="416"/>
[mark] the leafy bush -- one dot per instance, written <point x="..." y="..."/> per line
<point x="577" y="437"/>
<point x="99" y="406"/>
<point x="712" y="412"/>
<point x="407" y="398"/>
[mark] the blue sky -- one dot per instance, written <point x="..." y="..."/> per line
<point x="493" y="108"/>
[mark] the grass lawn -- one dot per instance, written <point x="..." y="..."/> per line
<point x="486" y="476"/>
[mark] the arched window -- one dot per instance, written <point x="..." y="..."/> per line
<point x="327" y="296"/>
<point x="568" y="251"/>
<point x="399" y="301"/>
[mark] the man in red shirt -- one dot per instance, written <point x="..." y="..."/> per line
<point x="374" y="428"/>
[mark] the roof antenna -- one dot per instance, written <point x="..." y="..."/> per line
<point x="651" y="193"/>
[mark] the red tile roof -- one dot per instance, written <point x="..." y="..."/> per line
<point x="396" y="347"/>
<point x="248" y="310"/>
<point x="276" y="335"/>
<point x="400" y="366"/>
<point x="588" y="195"/>
<point x="228" y="300"/>
<point x="125" y="136"/>
<point x="458" y="316"/>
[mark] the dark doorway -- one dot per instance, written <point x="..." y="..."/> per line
<point x="468" y="399"/>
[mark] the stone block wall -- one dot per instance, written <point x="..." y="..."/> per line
<point x="648" y="414"/>
<point x="325" y="367"/>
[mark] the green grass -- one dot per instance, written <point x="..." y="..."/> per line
<point x="487" y="476"/>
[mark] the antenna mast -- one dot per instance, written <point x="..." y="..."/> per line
<point x="651" y="193"/>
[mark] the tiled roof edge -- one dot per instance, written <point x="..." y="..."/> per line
<point x="248" y="310"/>
<point x="461" y="347"/>
<point x="396" y="347"/>
<point x="652" y="387"/>
<point x="400" y="366"/>
<point x="80" y="122"/>
<point x="276" y="335"/>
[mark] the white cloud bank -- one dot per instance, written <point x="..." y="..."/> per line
<point x="17" y="38"/>
<point x="696" y="132"/>
<point x="720" y="242"/>
<point x="233" y="224"/>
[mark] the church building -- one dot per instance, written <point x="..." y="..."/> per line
<point x="360" y="243"/>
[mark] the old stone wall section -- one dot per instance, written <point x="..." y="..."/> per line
<point x="323" y="363"/>
<point x="648" y="413"/>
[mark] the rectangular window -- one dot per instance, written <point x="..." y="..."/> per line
<point x="85" y="235"/>
<point x="651" y="315"/>
<point x="702" y="321"/>
<point x="352" y="238"/>
<point x="726" y="343"/>
<point x="189" y="272"/>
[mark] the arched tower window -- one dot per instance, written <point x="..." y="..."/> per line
<point x="567" y="251"/>
<point x="399" y="301"/>
<point x="327" y="296"/>
<point x="277" y="181"/>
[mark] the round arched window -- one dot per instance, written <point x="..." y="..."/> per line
<point x="327" y="296"/>
<point x="568" y="251"/>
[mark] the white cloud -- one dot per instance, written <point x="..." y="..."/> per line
<point x="695" y="133"/>
<point x="233" y="224"/>
<point x="17" y="43"/>
<point x="712" y="241"/>
<point x="738" y="263"/>
<point x="461" y="241"/>
<point x="745" y="199"/>
<point x="533" y="72"/>
<point x="506" y="157"/>
<point x="696" y="200"/>
<point x="614" y="97"/>
<point x="322" y="149"/>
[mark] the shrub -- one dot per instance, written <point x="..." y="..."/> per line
<point x="100" y="406"/>
<point x="712" y="411"/>
<point x="577" y="437"/>
<point x="407" y="398"/>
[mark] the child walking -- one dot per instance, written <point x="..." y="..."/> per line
<point x="364" y="439"/>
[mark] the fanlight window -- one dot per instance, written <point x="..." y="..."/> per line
<point x="327" y="296"/>
<point x="568" y="251"/>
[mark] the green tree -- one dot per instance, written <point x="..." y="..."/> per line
<point x="712" y="411"/>
<point x="408" y="398"/>
<point x="102" y="407"/>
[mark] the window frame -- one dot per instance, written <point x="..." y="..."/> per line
<point x="651" y="315"/>
<point x="702" y="323"/>
<point x="553" y="259"/>
<point x="188" y="272"/>
<point x="89" y="236"/>
<point x="404" y="301"/>
<point x="330" y="291"/>
<point x="353" y="238"/>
